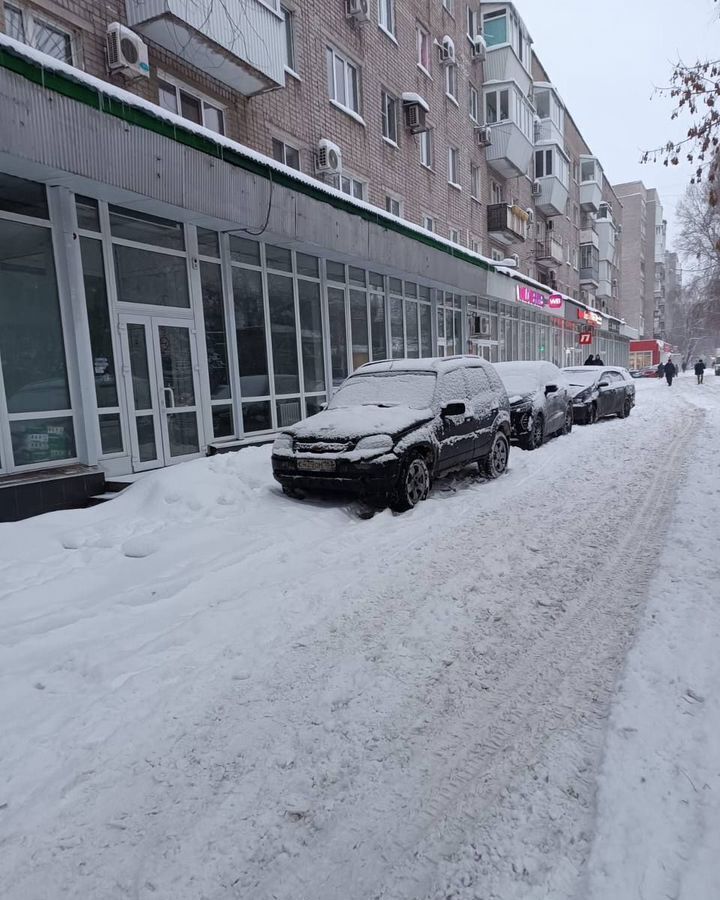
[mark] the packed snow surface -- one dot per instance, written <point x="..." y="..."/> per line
<point x="210" y="691"/>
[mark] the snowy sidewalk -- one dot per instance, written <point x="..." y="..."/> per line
<point x="658" y="832"/>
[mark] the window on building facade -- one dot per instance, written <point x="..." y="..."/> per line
<point x="543" y="163"/>
<point x="428" y="223"/>
<point x="426" y="149"/>
<point x="454" y="235"/>
<point x="423" y="48"/>
<point x="33" y="29"/>
<point x="289" y="19"/>
<point x="451" y="82"/>
<point x="454" y="166"/>
<point x="495" y="28"/>
<point x="587" y="170"/>
<point x="449" y="5"/>
<point x="496" y="192"/>
<point x="473" y="21"/>
<point x="355" y="187"/>
<point x="343" y="81"/>
<point x="474" y="102"/>
<point x="496" y="255"/>
<point x="475" y="182"/>
<point x="394" y="205"/>
<point x="286" y="153"/>
<point x="389" y="117"/>
<point x="497" y="106"/>
<point x="178" y="99"/>
<point x="386" y="16"/>
<point x="475" y="244"/>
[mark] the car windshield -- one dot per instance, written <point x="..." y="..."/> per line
<point x="413" y="389"/>
<point x="526" y="383"/>
<point x="580" y="377"/>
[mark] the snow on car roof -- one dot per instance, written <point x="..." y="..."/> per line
<point x="436" y="364"/>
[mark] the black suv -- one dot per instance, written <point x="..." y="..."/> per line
<point x="393" y="426"/>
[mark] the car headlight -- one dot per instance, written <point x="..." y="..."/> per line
<point x="582" y="396"/>
<point x="283" y="442"/>
<point x="376" y="442"/>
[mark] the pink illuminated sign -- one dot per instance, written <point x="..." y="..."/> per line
<point x="526" y="294"/>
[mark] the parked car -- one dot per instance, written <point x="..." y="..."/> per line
<point x="393" y="426"/>
<point x="648" y="372"/>
<point x="541" y="402"/>
<point x="600" y="391"/>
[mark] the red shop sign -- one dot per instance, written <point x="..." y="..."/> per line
<point x="586" y="337"/>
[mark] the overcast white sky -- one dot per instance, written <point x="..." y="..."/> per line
<point x="606" y="58"/>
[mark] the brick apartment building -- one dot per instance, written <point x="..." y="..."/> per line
<point x="228" y="205"/>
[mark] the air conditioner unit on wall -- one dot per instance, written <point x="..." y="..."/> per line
<point x="479" y="48"/>
<point x="328" y="159"/>
<point x="536" y="188"/>
<point x="126" y="52"/>
<point x="358" y="10"/>
<point x="447" y="51"/>
<point x="484" y="135"/>
<point x="415" y="117"/>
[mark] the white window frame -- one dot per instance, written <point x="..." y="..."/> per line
<point x="454" y="235"/>
<point x="497" y="193"/>
<point x="288" y="15"/>
<point x="449" y="6"/>
<point x="428" y="222"/>
<point x="496" y="255"/>
<point x="422" y="38"/>
<point x="31" y="18"/>
<point x="353" y="182"/>
<point x="473" y="22"/>
<point x="387" y="20"/>
<point x="475" y="182"/>
<point x="348" y="65"/>
<point x="173" y="82"/>
<point x="427" y="149"/>
<point x="474" y="239"/>
<point x="454" y="167"/>
<point x="474" y="103"/>
<point x="394" y="198"/>
<point x="498" y="92"/>
<point x="387" y="98"/>
<point x="451" y="83"/>
<point x="285" y="146"/>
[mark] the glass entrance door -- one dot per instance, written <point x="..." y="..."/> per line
<point x="160" y="370"/>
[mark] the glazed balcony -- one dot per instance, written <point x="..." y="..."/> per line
<point x="506" y="223"/>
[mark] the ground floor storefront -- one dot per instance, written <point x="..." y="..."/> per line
<point x="144" y="322"/>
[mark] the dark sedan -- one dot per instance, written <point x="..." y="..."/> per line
<point x="599" y="392"/>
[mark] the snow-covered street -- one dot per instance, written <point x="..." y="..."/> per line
<point x="208" y="690"/>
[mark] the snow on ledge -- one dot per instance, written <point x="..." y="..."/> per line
<point x="409" y="97"/>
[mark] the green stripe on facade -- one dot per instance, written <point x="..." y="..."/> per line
<point x="96" y="99"/>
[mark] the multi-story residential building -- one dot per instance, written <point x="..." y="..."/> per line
<point x="674" y="319"/>
<point x="210" y="212"/>
<point x="643" y="277"/>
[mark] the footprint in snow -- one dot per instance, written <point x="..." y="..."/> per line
<point x="140" y="547"/>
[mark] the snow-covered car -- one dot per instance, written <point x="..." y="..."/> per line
<point x="600" y="391"/>
<point x="393" y="426"/>
<point x="541" y="402"/>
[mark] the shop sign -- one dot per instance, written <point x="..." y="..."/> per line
<point x="590" y="317"/>
<point x="556" y="301"/>
<point x="527" y="294"/>
<point x="586" y="337"/>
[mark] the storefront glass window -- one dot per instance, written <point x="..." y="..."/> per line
<point x="42" y="440"/>
<point x="88" y="216"/>
<point x="208" y="244"/>
<point x="411" y="324"/>
<point x="426" y="346"/>
<point x="144" y="276"/>
<point x="98" y="314"/>
<point x="359" y="328"/>
<point x="338" y="336"/>
<point x="311" y="336"/>
<point x="244" y="251"/>
<point x="397" y="335"/>
<point x="212" y="297"/>
<point x="283" y="333"/>
<point x="145" y="229"/>
<point x="257" y="416"/>
<point x="31" y="337"/>
<point x="377" y="326"/>
<point x="27" y="198"/>
<point x="250" y="335"/>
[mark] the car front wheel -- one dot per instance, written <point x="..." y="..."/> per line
<point x="413" y="484"/>
<point x="536" y="436"/>
<point x="495" y="463"/>
<point x="568" y="423"/>
<point x="626" y="408"/>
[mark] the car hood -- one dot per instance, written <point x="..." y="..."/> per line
<point x="351" y="422"/>
<point x="523" y="399"/>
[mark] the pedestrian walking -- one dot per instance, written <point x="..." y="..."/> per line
<point x="660" y="370"/>
<point x="700" y="371"/>
<point x="590" y="361"/>
<point x="684" y="366"/>
<point x="598" y="362"/>
<point x="670" y="372"/>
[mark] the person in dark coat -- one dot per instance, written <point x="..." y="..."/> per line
<point x="700" y="371"/>
<point x="590" y="361"/>
<point x="670" y="372"/>
<point x="598" y="362"/>
<point x="684" y="366"/>
<point x="660" y="370"/>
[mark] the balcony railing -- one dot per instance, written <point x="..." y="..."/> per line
<point x="239" y="42"/>
<point x="550" y="249"/>
<point x="507" y="223"/>
<point x="590" y="274"/>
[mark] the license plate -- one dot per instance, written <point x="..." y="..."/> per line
<point x="316" y="465"/>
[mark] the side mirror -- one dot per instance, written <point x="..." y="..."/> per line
<point x="551" y="389"/>
<point x="603" y="384"/>
<point x="455" y="408"/>
<point x="323" y="406"/>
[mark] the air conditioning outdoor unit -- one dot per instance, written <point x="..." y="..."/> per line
<point x="447" y="51"/>
<point x="516" y="257"/>
<point x="530" y="214"/>
<point x="536" y="188"/>
<point x="126" y="52"/>
<point x="479" y="48"/>
<point x="619" y="229"/>
<point x="484" y="135"/>
<point x="328" y="160"/>
<point x="358" y="10"/>
<point x="415" y="117"/>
